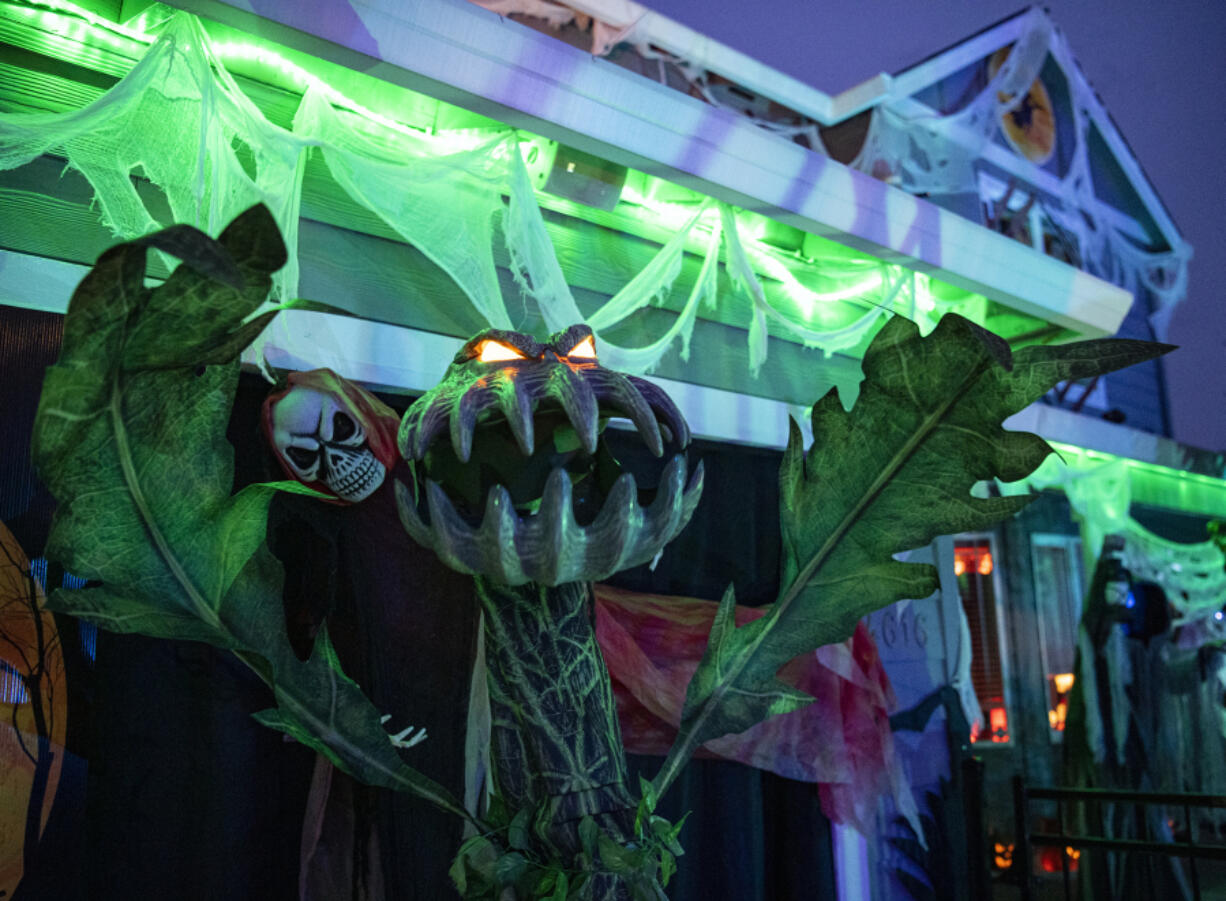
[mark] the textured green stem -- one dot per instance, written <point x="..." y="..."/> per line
<point x="555" y="743"/>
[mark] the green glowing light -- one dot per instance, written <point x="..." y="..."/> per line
<point x="1152" y="484"/>
<point x="87" y="23"/>
<point x="668" y="214"/>
<point x="821" y="284"/>
<point x="75" y="35"/>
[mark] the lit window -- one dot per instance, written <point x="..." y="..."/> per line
<point x="974" y="566"/>
<point x="1057" y="567"/>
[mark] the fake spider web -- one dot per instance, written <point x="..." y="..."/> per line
<point x="179" y="120"/>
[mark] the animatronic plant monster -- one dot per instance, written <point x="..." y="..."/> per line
<point x="130" y="438"/>
<point x="522" y="492"/>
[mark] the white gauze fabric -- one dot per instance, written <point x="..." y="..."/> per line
<point x="176" y="117"/>
<point x="1193" y="576"/>
<point x="444" y="193"/>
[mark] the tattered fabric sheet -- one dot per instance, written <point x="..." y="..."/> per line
<point x="842" y="741"/>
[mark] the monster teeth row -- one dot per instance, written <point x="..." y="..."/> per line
<point x="361" y="483"/>
<point x="550" y="547"/>
<point x="516" y="396"/>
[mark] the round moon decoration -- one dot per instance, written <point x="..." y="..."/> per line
<point x="1030" y="127"/>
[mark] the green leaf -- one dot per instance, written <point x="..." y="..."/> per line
<point x="646" y="806"/>
<point x="509" y="868"/>
<point x="315" y="306"/>
<point x="589" y="834"/>
<point x="545" y="885"/>
<point x="615" y="857"/>
<point x="497" y="813"/>
<point x="561" y="888"/>
<point x="729" y="654"/>
<point x="179" y="324"/>
<point x="292" y="487"/>
<point x="578" y="887"/>
<point x="130" y="438"/>
<point x="888" y="476"/>
<point x="666" y="833"/>
<point x="668" y="867"/>
<point x="473" y="866"/>
<point x="517" y="833"/>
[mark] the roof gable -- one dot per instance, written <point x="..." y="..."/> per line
<point x="1006" y="123"/>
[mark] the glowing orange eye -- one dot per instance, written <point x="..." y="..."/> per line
<point x="584" y="350"/>
<point x="497" y="352"/>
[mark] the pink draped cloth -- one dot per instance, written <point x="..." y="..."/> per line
<point x="842" y="741"/>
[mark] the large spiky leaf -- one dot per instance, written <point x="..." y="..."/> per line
<point x="130" y="438"/>
<point x="888" y="476"/>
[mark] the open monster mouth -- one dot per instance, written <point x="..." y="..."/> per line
<point x="512" y="479"/>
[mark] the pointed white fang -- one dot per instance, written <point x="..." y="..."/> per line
<point x="631" y="402"/>
<point x="453" y="537"/>
<point x="515" y="401"/>
<point x="423" y="432"/>
<point x="496" y="538"/>
<point x="462" y="422"/>
<point x="664" y="514"/>
<point x="611" y="537"/>
<point x="418" y="530"/>
<point x="551" y="543"/>
<point x="692" y="495"/>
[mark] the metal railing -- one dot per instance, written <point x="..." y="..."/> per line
<point x="1191" y="849"/>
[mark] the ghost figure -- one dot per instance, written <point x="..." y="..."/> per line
<point x="331" y="435"/>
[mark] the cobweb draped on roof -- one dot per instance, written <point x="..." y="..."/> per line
<point x="1193" y="576"/>
<point x="179" y="120"/>
<point x="937" y="154"/>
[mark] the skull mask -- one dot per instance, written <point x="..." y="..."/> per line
<point x="331" y="435"/>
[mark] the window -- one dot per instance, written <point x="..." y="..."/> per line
<point x="975" y="568"/>
<point x="1058" y="587"/>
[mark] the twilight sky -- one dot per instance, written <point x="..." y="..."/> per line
<point x="1158" y="67"/>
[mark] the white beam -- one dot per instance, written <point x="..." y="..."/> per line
<point x="408" y="360"/>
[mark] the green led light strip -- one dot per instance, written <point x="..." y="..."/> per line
<point x="1153" y="484"/>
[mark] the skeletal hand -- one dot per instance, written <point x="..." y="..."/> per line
<point x="405" y="738"/>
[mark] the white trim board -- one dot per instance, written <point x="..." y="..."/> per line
<point x="402" y="359"/>
<point x="37" y="283"/>
<point x="412" y="360"/>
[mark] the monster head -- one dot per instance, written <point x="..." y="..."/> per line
<point x="513" y="479"/>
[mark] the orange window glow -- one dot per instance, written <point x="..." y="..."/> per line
<point x="1003" y="855"/>
<point x="984" y="567"/>
<point x="998" y="721"/>
<point x="968" y="558"/>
